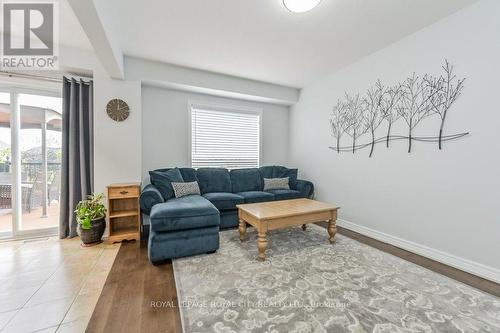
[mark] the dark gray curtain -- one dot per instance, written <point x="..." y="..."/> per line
<point x="77" y="169"/>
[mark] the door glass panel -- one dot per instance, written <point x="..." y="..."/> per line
<point x="40" y="146"/>
<point x="5" y="166"/>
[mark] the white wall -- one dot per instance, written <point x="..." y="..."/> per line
<point x="165" y="128"/>
<point x="117" y="145"/>
<point x="156" y="133"/>
<point x="442" y="204"/>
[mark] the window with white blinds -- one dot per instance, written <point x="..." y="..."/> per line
<point x="224" y="138"/>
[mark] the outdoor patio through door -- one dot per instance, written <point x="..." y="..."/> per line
<point x="30" y="163"/>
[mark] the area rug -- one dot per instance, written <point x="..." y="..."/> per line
<point x="309" y="285"/>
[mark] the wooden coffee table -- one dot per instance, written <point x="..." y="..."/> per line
<point x="265" y="216"/>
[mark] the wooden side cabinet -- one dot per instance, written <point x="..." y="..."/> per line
<point x="124" y="212"/>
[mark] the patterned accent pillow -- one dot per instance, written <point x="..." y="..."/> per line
<point x="276" y="184"/>
<point x="183" y="189"/>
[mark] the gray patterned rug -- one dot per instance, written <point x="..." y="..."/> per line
<point x="308" y="285"/>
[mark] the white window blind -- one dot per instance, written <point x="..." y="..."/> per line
<point x="227" y="139"/>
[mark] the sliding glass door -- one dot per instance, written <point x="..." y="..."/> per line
<point x="30" y="163"/>
<point x="6" y="225"/>
<point x="40" y="147"/>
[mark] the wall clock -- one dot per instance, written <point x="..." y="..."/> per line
<point x="117" y="109"/>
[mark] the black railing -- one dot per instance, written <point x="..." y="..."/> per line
<point x="32" y="184"/>
<point x="30" y="170"/>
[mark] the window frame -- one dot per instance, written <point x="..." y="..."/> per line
<point x="224" y="107"/>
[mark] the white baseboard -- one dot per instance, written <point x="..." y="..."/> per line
<point x="490" y="273"/>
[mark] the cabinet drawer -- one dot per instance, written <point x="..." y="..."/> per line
<point x="123" y="192"/>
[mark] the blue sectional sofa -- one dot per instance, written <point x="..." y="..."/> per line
<point x="190" y="225"/>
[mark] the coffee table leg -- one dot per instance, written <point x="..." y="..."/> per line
<point x="262" y="245"/>
<point x="332" y="230"/>
<point x="243" y="229"/>
<point x="304" y="227"/>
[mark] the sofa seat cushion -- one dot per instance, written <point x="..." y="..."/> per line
<point x="224" y="200"/>
<point x="188" y="212"/>
<point x="285" y="194"/>
<point x="256" y="196"/>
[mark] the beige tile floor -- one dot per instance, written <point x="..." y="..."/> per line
<point x="51" y="285"/>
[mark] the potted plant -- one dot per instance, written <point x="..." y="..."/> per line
<point x="91" y="217"/>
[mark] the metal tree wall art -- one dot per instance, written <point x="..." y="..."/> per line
<point x="390" y="104"/>
<point x="373" y="114"/>
<point x="416" y="103"/>
<point x="448" y="88"/>
<point x="412" y="100"/>
<point x="338" y="121"/>
<point x="355" y="115"/>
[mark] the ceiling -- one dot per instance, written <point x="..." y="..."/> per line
<point x="261" y="40"/>
<point x="70" y="31"/>
<point x="257" y="39"/>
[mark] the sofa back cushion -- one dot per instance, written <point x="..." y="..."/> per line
<point x="266" y="171"/>
<point x="162" y="180"/>
<point x="213" y="180"/>
<point x="282" y="172"/>
<point x="188" y="174"/>
<point x="277" y="171"/>
<point x="244" y="180"/>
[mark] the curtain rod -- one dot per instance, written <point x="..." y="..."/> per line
<point x="39" y="77"/>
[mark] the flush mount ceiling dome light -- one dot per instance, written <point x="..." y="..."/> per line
<point x="300" y="6"/>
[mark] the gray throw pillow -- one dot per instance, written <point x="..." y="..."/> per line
<point x="276" y="184"/>
<point x="183" y="189"/>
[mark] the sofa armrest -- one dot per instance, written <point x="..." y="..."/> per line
<point x="150" y="196"/>
<point x="305" y="187"/>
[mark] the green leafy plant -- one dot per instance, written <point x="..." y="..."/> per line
<point x="91" y="208"/>
<point x="5" y="154"/>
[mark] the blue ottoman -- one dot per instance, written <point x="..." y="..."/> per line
<point x="183" y="227"/>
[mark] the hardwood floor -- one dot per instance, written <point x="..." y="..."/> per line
<point x="133" y="284"/>
<point x="125" y="304"/>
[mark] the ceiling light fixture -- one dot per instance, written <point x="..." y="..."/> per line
<point x="300" y="6"/>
